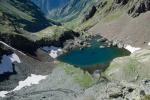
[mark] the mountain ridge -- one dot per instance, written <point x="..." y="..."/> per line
<point x="63" y="11"/>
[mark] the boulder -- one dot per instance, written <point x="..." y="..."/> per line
<point x="131" y="68"/>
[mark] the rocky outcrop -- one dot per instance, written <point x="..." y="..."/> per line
<point x="40" y="65"/>
<point x="60" y="85"/>
<point x="19" y="42"/>
<point x="57" y="86"/>
<point x="60" y="42"/>
<point x="131" y="68"/>
<point x="90" y="14"/>
<point x="122" y="2"/>
<point x="23" y="44"/>
<point x="139" y="7"/>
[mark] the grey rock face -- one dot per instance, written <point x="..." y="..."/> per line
<point x="90" y="14"/>
<point x="140" y="7"/>
<point x="122" y="2"/>
<point x="57" y="86"/>
<point x="131" y="68"/>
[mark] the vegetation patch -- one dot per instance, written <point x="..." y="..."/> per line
<point x="80" y="76"/>
<point x="146" y="97"/>
<point x="126" y="68"/>
<point x="53" y="32"/>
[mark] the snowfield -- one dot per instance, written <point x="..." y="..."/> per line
<point x="33" y="79"/>
<point x="29" y="81"/>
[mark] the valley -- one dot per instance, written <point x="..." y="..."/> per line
<point x="74" y="50"/>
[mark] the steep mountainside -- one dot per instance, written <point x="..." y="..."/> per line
<point x="21" y="14"/>
<point x="30" y="41"/>
<point x="63" y="10"/>
<point x="49" y="5"/>
<point x="124" y="21"/>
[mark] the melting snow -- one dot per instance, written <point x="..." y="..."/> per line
<point x="33" y="79"/>
<point x="53" y="51"/>
<point x="3" y="93"/>
<point x="6" y="63"/>
<point x="14" y="58"/>
<point x="132" y="49"/>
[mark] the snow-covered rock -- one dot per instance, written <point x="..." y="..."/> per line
<point x="132" y="49"/>
<point x="29" y="81"/>
<point x="3" y="93"/>
<point x="6" y="63"/>
<point x="33" y="79"/>
<point x="54" y="52"/>
<point x="14" y="58"/>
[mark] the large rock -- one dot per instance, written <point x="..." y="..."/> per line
<point x="131" y="68"/>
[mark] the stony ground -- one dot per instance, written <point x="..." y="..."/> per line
<point x="133" y="31"/>
<point x="42" y="65"/>
<point x="127" y="78"/>
<point x="61" y="86"/>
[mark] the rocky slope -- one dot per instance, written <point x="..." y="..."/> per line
<point x="22" y="14"/>
<point x="48" y="6"/>
<point x="68" y="12"/>
<point x="131" y="68"/>
<point x="122" y="20"/>
<point x="64" y="84"/>
<point x="28" y="65"/>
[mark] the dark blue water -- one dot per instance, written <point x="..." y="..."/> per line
<point x="93" y="55"/>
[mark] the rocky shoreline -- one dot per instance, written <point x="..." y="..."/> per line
<point x="102" y="89"/>
<point x="83" y="42"/>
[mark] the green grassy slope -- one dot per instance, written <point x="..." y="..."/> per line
<point x="23" y="14"/>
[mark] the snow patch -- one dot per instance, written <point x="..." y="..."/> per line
<point x="6" y="63"/>
<point x="14" y="58"/>
<point x="54" y="52"/>
<point x="132" y="49"/>
<point x="149" y="44"/>
<point x="33" y="79"/>
<point x="3" y="93"/>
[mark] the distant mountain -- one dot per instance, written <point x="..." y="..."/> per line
<point x="22" y="14"/>
<point x="47" y="5"/>
<point x="63" y="10"/>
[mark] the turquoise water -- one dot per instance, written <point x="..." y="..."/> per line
<point x="93" y="55"/>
